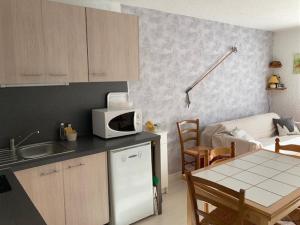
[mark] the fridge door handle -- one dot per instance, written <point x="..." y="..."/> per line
<point x="132" y="156"/>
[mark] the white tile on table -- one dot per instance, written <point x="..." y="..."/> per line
<point x="262" y="197"/>
<point x="294" y="170"/>
<point x="226" y="170"/>
<point x="234" y="184"/>
<point x="288" y="159"/>
<point x="288" y="178"/>
<point x="241" y="164"/>
<point x="209" y="175"/>
<point x="249" y="178"/>
<point x="274" y="164"/>
<point x="267" y="154"/>
<point x="276" y="187"/>
<point x="264" y="171"/>
<point x="254" y="159"/>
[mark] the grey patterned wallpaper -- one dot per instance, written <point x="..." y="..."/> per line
<point x="175" y="50"/>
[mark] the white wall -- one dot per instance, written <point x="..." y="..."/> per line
<point x="285" y="44"/>
<point x="175" y="50"/>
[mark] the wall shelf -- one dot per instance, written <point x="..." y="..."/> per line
<point x="276" y="89"/>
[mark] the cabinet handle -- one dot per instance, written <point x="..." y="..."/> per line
<point x="58" y="74"/>
<point x="31" y="74"/>
<point x="80" y="164"/>
<point x="99" y="74"/>
<point x="48" y="173"/>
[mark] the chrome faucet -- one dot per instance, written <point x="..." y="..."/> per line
<point x="12" y="144"/>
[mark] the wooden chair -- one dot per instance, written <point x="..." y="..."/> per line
<point x="230" y="204"/>
<point x="292" y="148"/>
<point x="188" y="131"/>
<point x="217" y="155"/>
<point x="295" y="215"/>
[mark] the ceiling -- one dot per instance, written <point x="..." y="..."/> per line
<point x="260" y="14"/>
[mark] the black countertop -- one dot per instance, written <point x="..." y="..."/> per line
<point x="85" y="145"/>
<point x="15" y="205"/>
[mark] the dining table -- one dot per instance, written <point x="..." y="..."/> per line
<point x="271" y="182"/>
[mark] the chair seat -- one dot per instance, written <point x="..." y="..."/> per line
<point x="227" y="217"/>
<point x="197" y="150"/>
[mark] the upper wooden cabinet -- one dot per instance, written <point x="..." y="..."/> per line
<point x="113" y="46"/>
<point x="65" y="42"/>
<point x="43" y="42"/>
<point x="21" y="42"/>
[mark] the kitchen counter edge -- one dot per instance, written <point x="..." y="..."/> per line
<point x="86" y="145"/>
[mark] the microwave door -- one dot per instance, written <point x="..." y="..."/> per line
<point x="123" y="123"/>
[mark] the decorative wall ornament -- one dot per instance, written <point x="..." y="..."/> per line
<point x="297" y="63"/>
<point x="212" y="68"/>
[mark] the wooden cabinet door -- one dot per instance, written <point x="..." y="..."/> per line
<point x="65" y="42"/>
<point x="113" y="46"/>
<point x="7" y="52"/>
<point x="44" y="186"/>
<point x="22" y="37"/>
<point x="86" y="190"/>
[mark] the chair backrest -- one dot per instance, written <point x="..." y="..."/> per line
<point x="217" y="195"/>
<point x="292" y="148"/>
<point x="220" y="154"/>
<point x="188" y="130"/>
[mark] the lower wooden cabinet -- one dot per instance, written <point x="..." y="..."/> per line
<point x="72" y="192"/>
<point x="86" y="190"/>
<point x="44" y="186"/>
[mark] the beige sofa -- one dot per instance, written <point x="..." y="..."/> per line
<point x="259" y="127"/>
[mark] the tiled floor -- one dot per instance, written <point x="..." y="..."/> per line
<point x="174" y="207"/>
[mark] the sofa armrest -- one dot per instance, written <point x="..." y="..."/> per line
<point x="242" y="145"/>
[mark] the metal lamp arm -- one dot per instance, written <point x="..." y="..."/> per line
<point x="212" y="68"/>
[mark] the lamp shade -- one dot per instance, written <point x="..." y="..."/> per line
<point x="273" y="80"/>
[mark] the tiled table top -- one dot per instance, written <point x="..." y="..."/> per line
<point x="266" y="176"/>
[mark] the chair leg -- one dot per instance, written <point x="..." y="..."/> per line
<point x="182" y="164"/>
<point x="198" y="162"/>
<point x="205" y="207"/>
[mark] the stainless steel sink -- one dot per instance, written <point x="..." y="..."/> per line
<point x="40" y="150"/>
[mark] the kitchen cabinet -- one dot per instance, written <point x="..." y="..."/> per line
<point x="46" y="42"/>
<point x="43" y="42"/>
<point x="44" y="186"/>
<point x="65" y="42"/>
<point x="86" y="190"/>
<point x="21" y="42"/>
<point x="113" y="46"/>
<point x="71" y="192"/>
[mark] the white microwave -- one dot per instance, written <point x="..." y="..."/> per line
<point x="115" y="123"/>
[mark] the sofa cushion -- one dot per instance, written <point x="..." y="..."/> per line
<point x="258" y="126"/>
<point x="283" y="131"/>
<point x="283" y="124"/>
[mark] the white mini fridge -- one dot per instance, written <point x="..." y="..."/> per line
<point x="131" y="190"/>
